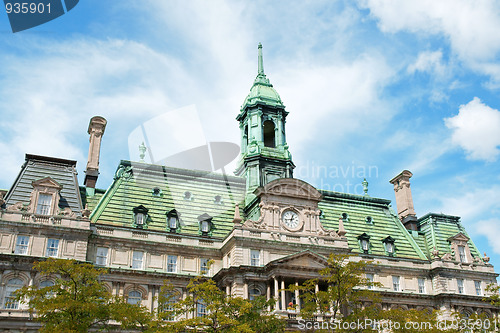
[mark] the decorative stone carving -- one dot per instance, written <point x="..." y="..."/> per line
<point x="18" y="206"/>
<point x="435" y="253"/>
<point x="67" y="212"/>
<point x="86" y="211"/>
<point x="486" y="259"/>
<point x="447" y="257"/>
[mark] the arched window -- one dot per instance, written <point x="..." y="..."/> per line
<point x="45" y="284"/>
<point x="253" y="293"/>
<point x="11" y="286"/>
<point x="134" y="297"/>
<point x="269" y="136"/>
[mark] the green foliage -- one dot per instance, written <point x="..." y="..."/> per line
<point x="345" y="289"/>
<point x="77" y="301"/>
<point x="223" y="313"/>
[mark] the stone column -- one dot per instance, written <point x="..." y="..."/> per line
<point x="276" y="294"/>
<point x="268" y="295"/>
<point x="283" y="295"/>
<point x="245" y="290"/>
<point x="228" y="290"/>
<point x="297" y="295"/>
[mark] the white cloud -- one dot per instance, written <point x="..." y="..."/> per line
<point x="470" y="26"/>
<point x="476" y="129"/>
<point x="428" y="61"/>
<point x="490" y="228"/>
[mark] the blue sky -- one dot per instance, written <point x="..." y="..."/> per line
<point x="371" y="86"/>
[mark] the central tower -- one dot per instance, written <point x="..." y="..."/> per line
<point x="264" y="151"/>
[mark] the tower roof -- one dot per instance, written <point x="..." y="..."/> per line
<point x="262" y="91"/>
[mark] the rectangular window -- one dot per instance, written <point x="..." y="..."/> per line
<point x="461" y="253"/>
<point x="460" y="285"/>
<point x="477" y="285"/>
<point x="172" y="264"/>
<point x="101" y="257"/>
<point x="421" y="285"/>
<point x="395" y="283"/>
<point x="43" y="206"/>
<point x="22" y="244"/>
<point x="370" y="277"/>
<point x="137" y="259"/>
<point x="201" y="309"/>
<point x="254" y="257"/>
<point x="52" y="247"/>
<point x="203" y="266"/>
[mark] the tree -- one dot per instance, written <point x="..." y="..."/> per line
<point x="220" y="312"/>
<point x="345" y="288"/>
<point x="76" y="300"/>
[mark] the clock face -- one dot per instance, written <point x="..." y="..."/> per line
<point x="290" y="219"/>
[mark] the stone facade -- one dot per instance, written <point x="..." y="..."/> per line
<point x="263" y="229"/>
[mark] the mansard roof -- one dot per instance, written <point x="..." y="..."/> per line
<point x="39" y="168"/>
<point x="355" y="209"/>
<point x="191" y="193"/>
<point x="439" y="228"/>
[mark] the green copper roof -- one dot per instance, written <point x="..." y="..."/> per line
<point x="161" y="189"/>
<point x="438" y="228"/>
<point x="262" y="91"/>
<point x="368" y="215"/>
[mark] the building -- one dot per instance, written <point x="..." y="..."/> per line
<point x="263" y="228"/>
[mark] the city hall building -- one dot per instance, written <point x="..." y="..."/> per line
<point x="263" y="228"/>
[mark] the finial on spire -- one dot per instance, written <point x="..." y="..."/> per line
<point x="365" y="186"/>
<point x="261" y="61"/>
<point x="142" y="150"/>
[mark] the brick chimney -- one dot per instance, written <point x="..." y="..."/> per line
<point x="96" y="129"/>
<point x="404" y="201"/>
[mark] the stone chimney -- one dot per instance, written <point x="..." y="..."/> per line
<point x="96" y="129"/>
<point x="404" y="201"/>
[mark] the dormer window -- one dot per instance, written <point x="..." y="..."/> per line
<point x="369" y="220"/>
<point x="45" y="196"/>
<point x="140" y="216"/>
<point x="461" y="253"/>
<point x="389" y="245"/>
<point x="205" y="224"/>
<point x="173" y="220"/>
<point x="460" y="247"/>
<point x="345" y="216"/>
<point x="364" y="242"/>
<point x="43" y="206"/>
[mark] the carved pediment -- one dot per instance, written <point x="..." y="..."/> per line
<point x="290" y="187"/>
<point x="303" y="260"/>
<point x="46" y="182"/>
<point x="460" y="237"/>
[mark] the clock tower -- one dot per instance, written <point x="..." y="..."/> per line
<point x="264" y="151"/>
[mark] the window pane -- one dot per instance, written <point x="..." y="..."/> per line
<point x="370" y="278"/>
<point x="172" y="264"/>
<point x="479" y="291"/>
<point x="255" y="257"/>
<point x="137" y="259"/>
<point x="52" y="247"/>
<point x="204" y="266"/>
<point x="201" y="309"/>
<point x="22" y="245"/>
<point x="461" y="252"/>
<point x="421" y="285"/>
<point x="134" y="297"/>
<point x="395" y="283"/>
<point x="460" y="284"/>
<point x="254" y="293"/>
<point x="101" y="256"/>
<point x="10" y="288"/>
<point x="43" y="206"/>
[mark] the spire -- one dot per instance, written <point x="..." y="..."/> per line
<point x="261" y="61"/>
